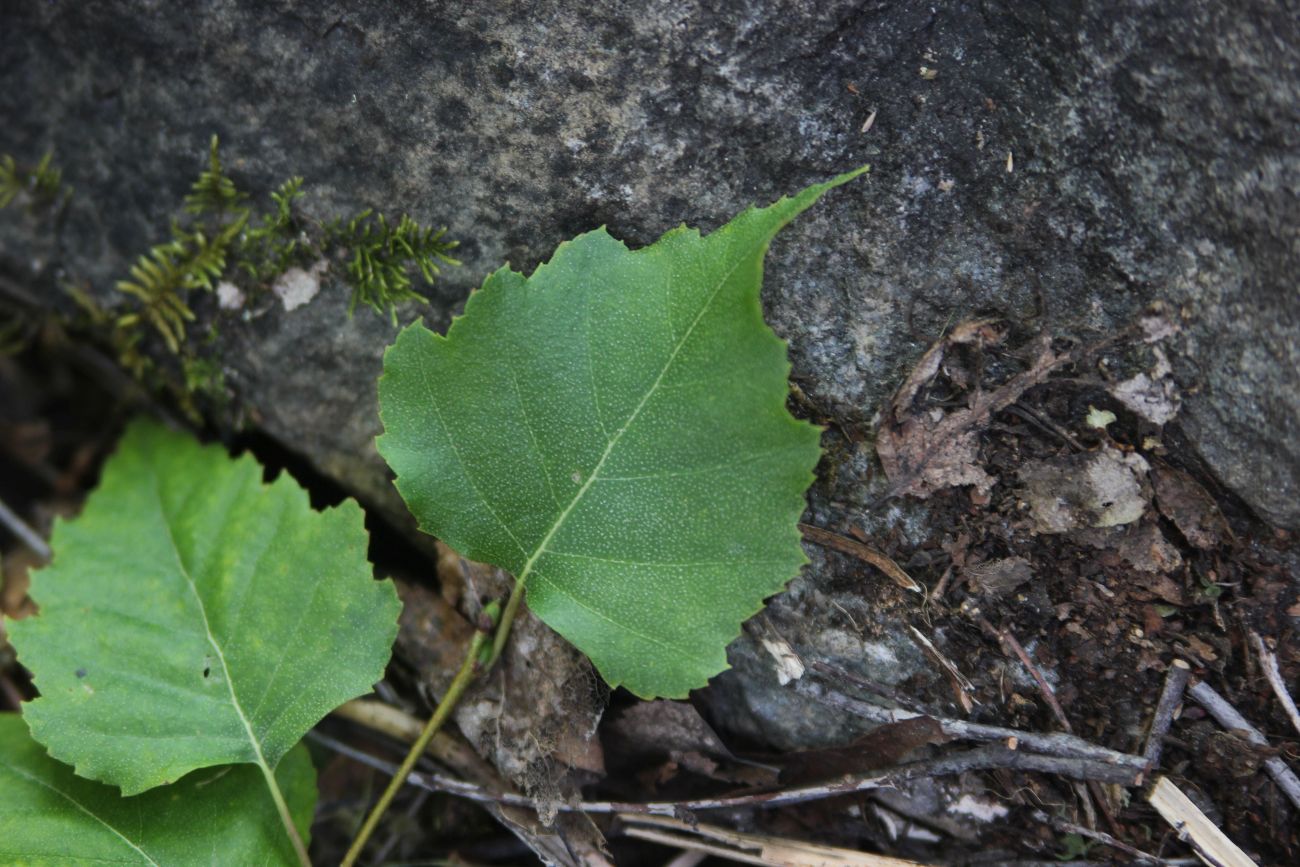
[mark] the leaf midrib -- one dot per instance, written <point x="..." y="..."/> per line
<point x="207" y="627"/>
<point x="526" y="571"/>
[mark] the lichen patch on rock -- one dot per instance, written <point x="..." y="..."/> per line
<point x="297" y="287"/>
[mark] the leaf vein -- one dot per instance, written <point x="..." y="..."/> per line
<point x="622" y="626"/>
<point x="532" y="434"/>
<point x="522" y="577"/>
<point x="698" y="471"/>
<point x="464" y="467"/>
<point x="207" y="628"/>
<point x="685" y="564"/>
<point x="74" y="802"/>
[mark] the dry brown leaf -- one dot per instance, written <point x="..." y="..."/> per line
<point x="1163" y="587"/>
<point x="1147" y="550"/>
<point x="994" y="578"/>
<point x="1202" y="649"/>
<point x="534" y="717"/>
<point x="1182" y="500"/>
<point x="14" y="581"/>
<point x="863" y="552"/>
<point x="927" y="449"/>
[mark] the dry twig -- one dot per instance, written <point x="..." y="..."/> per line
<point x="1269" y="660"/>
<point x="979" y="759"/>
<point x="961" y="686"/>
<point x="1099" y="836"/>
<point x="1170" y="697"/>
<point x="553" y="844"/>
<point x="1229" y="718"/>
<point x="404" y="728"/>
<point x="1009" y="642"/>
<point x="750" y="848"/>
<point x="1064" y="746"/>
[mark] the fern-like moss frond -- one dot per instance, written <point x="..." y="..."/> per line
<point x="161" y="278"/>
<point x="382" y="255"/>
<point x="42" y="184"/>
<point x="10" y="180"/>
<point x="214" y="193"/>
<point x="274" y="245"/>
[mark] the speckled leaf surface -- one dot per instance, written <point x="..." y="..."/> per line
<point x="195" y="616"/>
<point x="50" y="816"/>
<point x="613" y="431"/>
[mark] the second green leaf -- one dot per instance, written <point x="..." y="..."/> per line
<point x="196" y="616"/>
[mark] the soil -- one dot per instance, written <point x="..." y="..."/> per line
<point x="1104" y="551"/>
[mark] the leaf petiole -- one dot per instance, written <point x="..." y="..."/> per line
<point x="473" y="664"/>
<point x="507" y="618"/>
<point x="285" y="816"/>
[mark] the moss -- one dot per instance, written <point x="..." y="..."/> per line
<point x="223" y="237"/>
<point x="39" y="187"/>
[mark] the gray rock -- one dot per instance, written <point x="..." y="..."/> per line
<point x="1093" y="158"/>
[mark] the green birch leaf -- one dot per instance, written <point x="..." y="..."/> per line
<point x="195" y="616"/>
<point x="50" y="816"/>
<point x="612" y="430"/>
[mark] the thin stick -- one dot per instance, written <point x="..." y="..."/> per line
<point x="1046" y="424"/>
<point x="404" y="728"/>
<point x="1050" y="744"/>
<point x="936" y="593"/>
<point x="752" y="848"/>
<point x="1009" y="642"/>
<point x="979" y="759"/>
<point x="1170" y="697"/>
<point x="1274" y="675"/>
<point x="25" y="534"/>
<point x="440" y="714"/>
<point x="1099" y="836"/>
<point x="1228" y="717"/>
<point x="961" y="685"/>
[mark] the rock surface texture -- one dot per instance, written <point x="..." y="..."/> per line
<point x="1060" y="162"/>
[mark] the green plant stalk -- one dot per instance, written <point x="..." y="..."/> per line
<point x="507" y="618"/>
<point x="468" y="669"/>
<point x="285" y="816"/>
